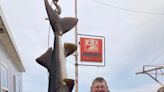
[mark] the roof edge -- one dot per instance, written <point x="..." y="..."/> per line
<point x="16" y="58"/>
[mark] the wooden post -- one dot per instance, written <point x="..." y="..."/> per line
<point x="76" y="53"/>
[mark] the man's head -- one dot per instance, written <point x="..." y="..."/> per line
<point x="99" y="85"/>
<point x="161" y="89"/>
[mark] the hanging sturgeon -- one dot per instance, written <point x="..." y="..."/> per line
<point x="54" y="59"/>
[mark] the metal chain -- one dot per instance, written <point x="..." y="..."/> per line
<point x="58" y="9"/>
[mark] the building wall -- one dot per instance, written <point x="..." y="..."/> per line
<point x="14" y="76"/>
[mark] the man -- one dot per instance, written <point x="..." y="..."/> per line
<point x="99" y="85"/>
<point x="161" y="89"/>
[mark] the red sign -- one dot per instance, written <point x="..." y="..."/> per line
<point x="91" y="49"/>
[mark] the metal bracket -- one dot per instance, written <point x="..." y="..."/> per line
<point x="154" y="76"/>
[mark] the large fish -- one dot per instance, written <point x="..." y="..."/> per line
<point x="54" y="59"/>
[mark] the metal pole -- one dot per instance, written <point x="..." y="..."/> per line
<point x="76" y="53"/>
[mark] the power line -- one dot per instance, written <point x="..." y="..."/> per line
<point x="155" y="58"/>
<point x="126" y="9"/>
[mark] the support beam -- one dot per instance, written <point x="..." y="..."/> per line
<point x="154" y="68"/>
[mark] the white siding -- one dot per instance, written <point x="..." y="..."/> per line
<point x="12" y="70"/>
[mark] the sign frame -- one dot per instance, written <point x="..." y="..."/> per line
<point x="91" y="63"/>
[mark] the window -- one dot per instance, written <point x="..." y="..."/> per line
<point x="4" y="78"/>
<point x="17" y="84"/>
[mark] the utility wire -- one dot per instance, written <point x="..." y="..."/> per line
<point x="126" y="9"/>
<point x="49" y="29"/>
<point x="155" y="58"/>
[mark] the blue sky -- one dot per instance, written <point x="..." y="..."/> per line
<point x="132" y="39"/>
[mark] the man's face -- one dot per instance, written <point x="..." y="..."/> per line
<point x="99" y="87"/>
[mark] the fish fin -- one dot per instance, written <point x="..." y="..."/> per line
<point x="45" y="58"/>
<point x="68" y="23"/>
<point x="52" y="16"/>
<point x="69" y="83"/>
<point x="69" y="48"/>
<point x="65" y="24"/>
